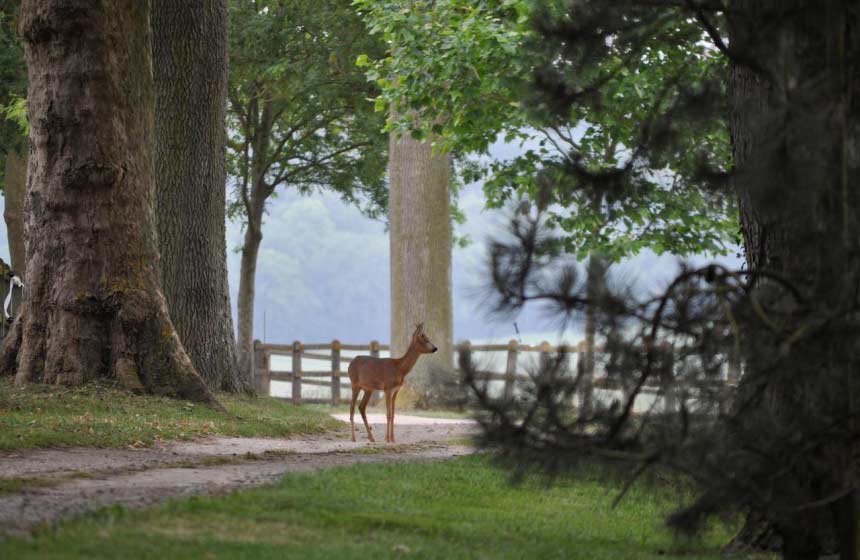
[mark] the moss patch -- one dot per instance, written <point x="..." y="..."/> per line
<point x="106" y="416"/>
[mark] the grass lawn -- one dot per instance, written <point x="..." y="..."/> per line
<point x="98" y="415"/>
<point x="457" y="509"/>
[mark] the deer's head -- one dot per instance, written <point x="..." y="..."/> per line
<point x="421" y="341"/>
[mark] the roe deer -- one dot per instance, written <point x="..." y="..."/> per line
<point x="386" y="374"/>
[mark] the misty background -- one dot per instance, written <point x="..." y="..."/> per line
<point x="323" y="273"/>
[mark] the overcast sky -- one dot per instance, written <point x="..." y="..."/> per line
<point x="323" y="273"/>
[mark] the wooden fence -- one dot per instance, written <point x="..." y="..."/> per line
<point x="298" y="377"/>
<point x="264" y="375"/>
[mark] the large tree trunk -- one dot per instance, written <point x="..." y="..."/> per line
<point x="190" y="71"/>
<point x="13" y="210"/>
<point x="420" y="233"/>
<point x="93" y="307"/>
<point x="795" y="145"/>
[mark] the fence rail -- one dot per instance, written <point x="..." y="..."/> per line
<point x="298" y="377"/>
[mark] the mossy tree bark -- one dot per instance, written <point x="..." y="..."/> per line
<point x="93" y="307"/>
<point x="190" y="71"/>
<point x="421" y="241"/>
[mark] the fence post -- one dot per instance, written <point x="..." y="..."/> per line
<point x="733" y="376"/>
<point x="511" y="369"/>
<point x="734" y="373"/>
<point x="667" y="378"/>
<point x="262" y="376"/>
<point x="544" y="356"/>
<point x="297" y="372"/>
<point x="585" y="376"/>
<point x="335" y="372"/>
<point x="464" y="356"/>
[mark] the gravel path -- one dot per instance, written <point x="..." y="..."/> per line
<point x="85" y="479"/>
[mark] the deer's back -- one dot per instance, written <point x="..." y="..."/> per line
<point x="368" y="372"/>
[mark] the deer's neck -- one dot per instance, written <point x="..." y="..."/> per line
<point x="407" y="362"/>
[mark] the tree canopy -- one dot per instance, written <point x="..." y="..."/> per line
<point x="298" y="117"/>
<point x="464" y="69"/>
<point x="297" y="105"/>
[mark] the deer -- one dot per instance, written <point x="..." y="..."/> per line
<point x="387" y="374"/>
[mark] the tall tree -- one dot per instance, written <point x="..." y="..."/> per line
<point x="93" y="307"/>
<point x="421" y="241"/>
<point x="461" y="68"/>
<point x="299" y="118"/>
<point x="189" y="47"/>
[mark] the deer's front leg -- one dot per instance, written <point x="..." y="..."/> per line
<point x="387" y="416"/>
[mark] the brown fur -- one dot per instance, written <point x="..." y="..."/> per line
<point x="384" y="374"/>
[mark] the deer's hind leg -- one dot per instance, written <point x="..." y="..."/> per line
<point x="355" y="391"/>
<point x="388" y="416"/>
<point x="362" y="407"/>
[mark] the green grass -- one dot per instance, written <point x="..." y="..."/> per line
<point x="99" y="415"/>
<point x="21" y="483"/>
<point x="14" y="485"/>
<point x="457" y="509"/>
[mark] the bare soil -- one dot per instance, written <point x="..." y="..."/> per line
<point x="72" y="481"/>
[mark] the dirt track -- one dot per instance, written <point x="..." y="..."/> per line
<point x="67" y="482"/>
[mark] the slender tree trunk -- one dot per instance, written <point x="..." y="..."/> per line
<point x="247" y="279"/>
<point x="190" y="73"/>
<point x="420" y="233"/>
<point x="595" y="287"/>
<point x="13" y="211"/>
<point x="262" y="115"/>
<point x="93" y="307"/>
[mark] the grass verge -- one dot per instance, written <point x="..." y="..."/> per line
<point x="14" y="485"/>
<point x="457" y="509"/>
<point x="103" y="416"/>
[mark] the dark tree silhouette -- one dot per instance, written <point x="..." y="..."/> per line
<point x="783" y="443"/>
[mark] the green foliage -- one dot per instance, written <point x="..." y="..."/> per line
<point x="99" y="415"/>
<point x="454" y="67"/>
<point x="297" y="112"/>
<point x="456" y="509"/>
<point x="463" y="70"/>
<point x="13" y="85"/>
<point x="16" y="111"/>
